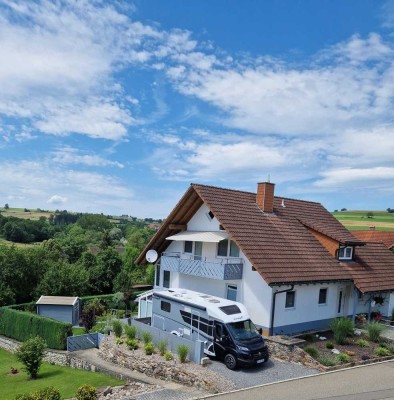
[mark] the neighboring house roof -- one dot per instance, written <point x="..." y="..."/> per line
<point x="281" y="245"/>
<point x="386" y="237"/>
<point x="57" y="300"/>
<point x="373" y="268"/>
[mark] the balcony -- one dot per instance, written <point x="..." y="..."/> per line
<point x="218" y="268"/>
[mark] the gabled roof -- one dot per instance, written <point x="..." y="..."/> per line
<point x="386" y="237"/>
<point x="280" y="245"/>
<point x="373" y="268"/>
<point x="57" y="300"/>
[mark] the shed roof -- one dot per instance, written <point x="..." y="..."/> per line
<point x="57" y="300"/>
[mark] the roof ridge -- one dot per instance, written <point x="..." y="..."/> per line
<point x="248" y="192"/>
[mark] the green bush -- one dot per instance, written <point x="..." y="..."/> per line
<point x="86" y="392"/>
<point x="343" y="358"/>
<point x="327" y="361"/>
<point x="329" y="345"/>
<point x="182" y="351"/>
<point x="374" y="330"/>
<point x="362" y="343"/>
<point x="21" y="326"/>
<point x="117" y="327"/>
<point x="309" y="337"/>
<point x="312" y="351"/>
<point x="391" y="348"/>
<point x="119" y="340"/>
<point x="132" y="344"/>
<point x="31" y="353"/>
<point x="342" y="328"/>
<point x="168" y="356"/>
<point x="382" y="352"/>
<point x="149" y="348"/>
<point x="131" y="331"/>
<point x="162" y="346"/>
<point x="146" y="337"/>
<point x="48" y="393"/>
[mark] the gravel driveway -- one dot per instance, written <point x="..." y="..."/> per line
<point x="272" y="371"/>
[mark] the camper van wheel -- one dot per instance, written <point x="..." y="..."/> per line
<point x="230" y="361"/>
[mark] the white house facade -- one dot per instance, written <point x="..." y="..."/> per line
<point x="291" y="264"/>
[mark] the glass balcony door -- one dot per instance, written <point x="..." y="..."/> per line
<point x="197" y="250"/>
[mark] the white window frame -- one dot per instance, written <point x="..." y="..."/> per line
<point x="228" y="249"/>
<point x="294" y="302"/>
<point x="318" y="299"/>
<point x="345" y="250"/>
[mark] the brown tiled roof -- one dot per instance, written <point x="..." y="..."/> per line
<point x="278" y="245"/>
<point x="373" y="268"/>
<point x="386" y="237"/>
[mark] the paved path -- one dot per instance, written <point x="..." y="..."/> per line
<point x="369" y="382"/>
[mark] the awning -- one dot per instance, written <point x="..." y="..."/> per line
<point x="194" y="236"/>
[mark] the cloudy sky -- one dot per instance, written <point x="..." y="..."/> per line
<point x="117" y="108"/>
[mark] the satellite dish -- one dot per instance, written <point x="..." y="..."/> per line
<point x="151" y="256"/>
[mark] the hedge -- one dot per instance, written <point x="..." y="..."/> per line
<point x="20" y="325"/>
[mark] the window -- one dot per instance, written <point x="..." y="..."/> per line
<point x="158" y="275"/>
<point x="227" y="248"/>
<point x="323" y="296"/>
<point x="188" y="246"/>
<point x="166" y="279"/>
<point x="210" y="215"/>
<point x="290" y="299"/>
<point x="231" y="292"/>
<point x="165" y="306"/>
<point x="345" y="253"/>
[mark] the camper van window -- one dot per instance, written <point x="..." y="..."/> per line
<point x="157" y="275"/>
<point x="203" y="324"/>
<point x="243" y="330"/>
<point x="165" y="306"/>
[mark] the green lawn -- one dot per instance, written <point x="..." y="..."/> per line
<point x="65" y="379"/>
<point x="358" y="220"/>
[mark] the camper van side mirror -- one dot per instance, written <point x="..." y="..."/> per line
<point x="260" y="331"/>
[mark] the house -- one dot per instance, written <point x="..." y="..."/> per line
<point x="61" y="308"/>
<point x="372" y="235"/>
<point x="290" y="262"/>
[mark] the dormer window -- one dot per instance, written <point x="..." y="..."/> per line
<point x="345" y="253"/>
<point x="210" y="215"/>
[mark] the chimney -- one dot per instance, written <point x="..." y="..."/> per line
<point x="265" y="196"/>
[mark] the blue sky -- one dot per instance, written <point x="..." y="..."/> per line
<point x="118" y="107"/>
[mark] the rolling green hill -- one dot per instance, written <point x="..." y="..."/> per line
<point x="363" y="220"/>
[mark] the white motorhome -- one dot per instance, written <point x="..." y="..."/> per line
<point x="223" y="325"/>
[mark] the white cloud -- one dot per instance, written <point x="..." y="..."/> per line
<point x="69" y="155"/>
<point x="56" y="199"/>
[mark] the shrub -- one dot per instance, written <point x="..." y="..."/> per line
<point x="329" y="345"/>
<point x="149" y="348"/>
<point x="131" y="331"/>
<point x="382" y="352"/>
<point x="86" y="392"/>
<point x="21" y="326"/>
<point x="162" y="346"/>
<point x="119" y="340"/>
<point x="132" y="344"/>
<point x="374" y="330"/>
<point x="327" y="361"/>
<point x="48" y="393"/>
<point x="362" y="343"/>
<point x="120" y="314"/>
<point x="146" y="337"/>
<point x="312" y="351"/>
<point x="342" y="328"/>
<point x="117" y="327"/>
<point x="168" y="356"/>
<point x="391" y="348"/>
<point x="182" y="351"/>
<point x="31" y="354"/>
<point x="343" y="358"/>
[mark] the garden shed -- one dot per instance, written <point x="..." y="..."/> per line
<point x="65" y="309"/>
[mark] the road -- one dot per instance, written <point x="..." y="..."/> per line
<point x="371" y="382"/>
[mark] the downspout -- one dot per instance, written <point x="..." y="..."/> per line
<point x="271" y="328"/>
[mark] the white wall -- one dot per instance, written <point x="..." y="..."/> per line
<point x="200" y="221"/>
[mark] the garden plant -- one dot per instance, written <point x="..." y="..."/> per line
<point x="375" y="330"/>
<point x="31" y="353"/>
<point x="182" y="351"/>
<point x="342" y="328"/>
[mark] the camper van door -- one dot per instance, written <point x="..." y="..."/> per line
<point x="221" y="340"/>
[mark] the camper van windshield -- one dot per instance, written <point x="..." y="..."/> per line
<point x="243" y="330"/>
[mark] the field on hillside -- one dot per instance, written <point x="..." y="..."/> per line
<point x="21" y="213"/>
<point x="359" y="220"/>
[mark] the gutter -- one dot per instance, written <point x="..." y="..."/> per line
<point x="271" y="328"/>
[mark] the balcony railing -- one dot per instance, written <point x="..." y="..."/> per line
<point x="219" y="268"/>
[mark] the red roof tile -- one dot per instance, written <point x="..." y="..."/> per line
<point x="386" y="237"/>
